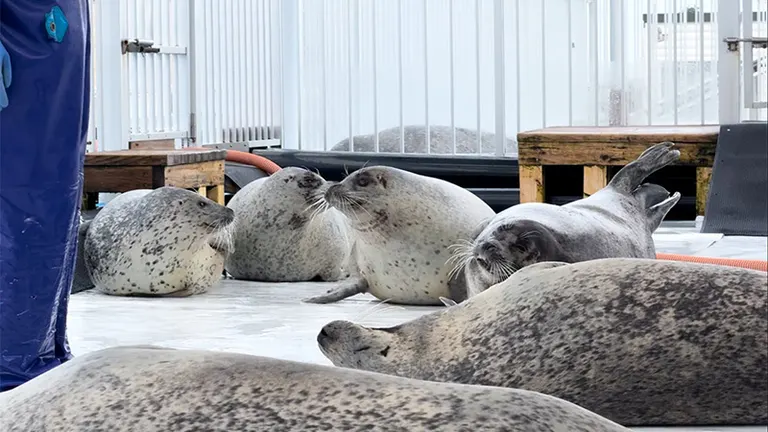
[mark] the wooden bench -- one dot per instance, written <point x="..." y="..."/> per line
<point x="597" y="148"/>
<point x="125" y="170"/>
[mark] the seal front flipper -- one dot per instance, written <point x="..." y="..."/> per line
<point x="447" y="302"/>
<point x="348" y="288"/>
<point x="651" y="160"/>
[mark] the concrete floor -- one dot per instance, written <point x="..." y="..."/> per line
<point x="269" y="319"/>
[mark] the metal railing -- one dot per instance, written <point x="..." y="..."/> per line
<point x="425" y="76"/>
<point x="236" y="70"/>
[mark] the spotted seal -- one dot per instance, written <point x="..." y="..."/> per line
<point x="404" y="225"/>
<point x="615" y="222"/>
<point x="638" y="341"/>
<point x="283" y="233"/>
<point x="162" y="242"/>
<point x="152" y="389"/>
<point x="415" y="141"/>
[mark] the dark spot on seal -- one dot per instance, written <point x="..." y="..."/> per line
<point x="297" y="221"/>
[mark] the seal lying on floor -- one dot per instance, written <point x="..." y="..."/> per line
<point x="616" y="222"/>
<point x="638" y="341"/>
<point x="415" y="141"/>
<point x="404" y="225"/>
<point x="283" y="233"/>
<point x="162" y="242"/>
<point x="152" y="389"/>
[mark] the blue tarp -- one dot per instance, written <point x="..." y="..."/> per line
<point x="42" y="145"/>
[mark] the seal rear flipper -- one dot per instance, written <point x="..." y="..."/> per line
<point x="348" y="288"/>
<point x="81" y="280"/>
<point x="651" y="160"/>
<point x="656" y="213"/>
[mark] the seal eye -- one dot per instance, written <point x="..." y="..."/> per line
<point x="201" y="204"/>
<point x="363" y="181"/>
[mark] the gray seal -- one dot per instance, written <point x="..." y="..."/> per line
<point x="152" y="389"/>
<point x="638" y="341"/>
<point x="616" y="222"/>
<point x="404" y="225"/>
<point x="415" y="141"/>
<point x="284" y="232"/>
<point x="162" y="242"/>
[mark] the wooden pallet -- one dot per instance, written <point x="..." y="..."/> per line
<point x="125" y="170"/>
<point x="597" y="148"/>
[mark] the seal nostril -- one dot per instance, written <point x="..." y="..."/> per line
<point x="324" y="333"/>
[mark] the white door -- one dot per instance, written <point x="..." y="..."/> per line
<point x="155" y="48"/>
<point x="743" y="60"/>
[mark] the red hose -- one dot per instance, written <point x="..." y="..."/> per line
<point x="246" y="158"/>
<point x="731" y="262"/>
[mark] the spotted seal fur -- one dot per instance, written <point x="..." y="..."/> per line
<point x="157" y="390"/>
<point x="282" y="232"/>
<point x="616" y="222"/>
<point x="638" y="341"/>
<point x="162" y="242"/>
<point x="404" y="225"/>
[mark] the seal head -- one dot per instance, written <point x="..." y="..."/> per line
<point x="285" y="232"/>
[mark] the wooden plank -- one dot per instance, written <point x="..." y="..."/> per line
<point x="622" y="134"/>
<point x="531" y="184"/>
<point x="203" y="190"/>
<point x="703" y="179"/>
<point x="216" y="193"/>
<point x="191" y="176"/>
<point x="116" y="179"/>
<point x="604" y="154"/>
<point x="595" y="178"/>
<point x="153" y="157"/>
<point x="164" y="144"/>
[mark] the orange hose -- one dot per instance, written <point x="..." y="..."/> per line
<point x="732" y="262"/>
<point x="259" y="162"/>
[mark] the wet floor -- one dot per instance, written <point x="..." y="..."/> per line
<point x="269" y="319"/>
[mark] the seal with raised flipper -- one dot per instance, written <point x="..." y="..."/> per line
<point x="404" y="225"/>
<point x="638" y="341"/>
<point x="616" y="222"/>
<point x="163" y="242"/>
<point x="151" y="389"/>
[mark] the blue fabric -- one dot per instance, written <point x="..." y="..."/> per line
<point x="6" y="75"/>
<point x="42" y="145"/>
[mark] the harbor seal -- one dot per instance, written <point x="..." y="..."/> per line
<point x="638" y="341"/>
<point x="284" y="233"/>
<point x="81" y="281"/>
<point x="415" y="141"/>
<point x="152" y="389"/>
<point x="162" y="242"/>
<point x="404" y="225"/>
<point x="616" y="222"/>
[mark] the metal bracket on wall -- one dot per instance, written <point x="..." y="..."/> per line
<point x="757" y="42"/>
<point x="138" y="46"/>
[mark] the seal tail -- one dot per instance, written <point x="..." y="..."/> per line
<point x="651" y="160"/>
<point x="82" y="279"/>
<point x="348" y="288"/>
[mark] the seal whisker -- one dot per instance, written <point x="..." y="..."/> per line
<point x="374" y="304"/>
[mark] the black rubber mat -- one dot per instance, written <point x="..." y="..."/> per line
<point x="738" y="193"/>
<point x="241" y="174"/>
